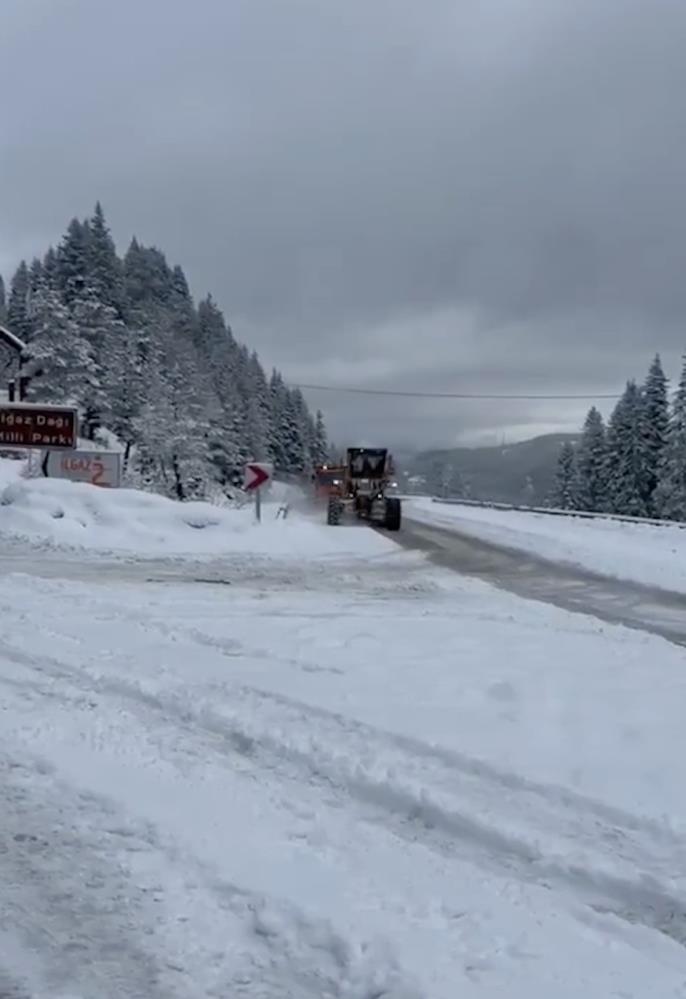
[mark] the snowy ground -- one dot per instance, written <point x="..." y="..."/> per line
<point x="66" y="515"/>
<point x="642" y="553"/>
<point x="328" y="775"/>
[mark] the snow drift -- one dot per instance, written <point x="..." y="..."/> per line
<point x="76" y="515"/>
<point x="654" y="555"/>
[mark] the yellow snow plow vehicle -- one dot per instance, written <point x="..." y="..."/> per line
<point x="361" y="489"/>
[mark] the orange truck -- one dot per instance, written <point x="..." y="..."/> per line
<point x="328" y="481"/>
<point x="360" y="488"/>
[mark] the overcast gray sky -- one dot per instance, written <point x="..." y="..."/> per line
<point x="457" y="195"/>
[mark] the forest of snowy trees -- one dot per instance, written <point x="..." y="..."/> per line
<point x="636" y="465"/>
<point x="123" y="340"/>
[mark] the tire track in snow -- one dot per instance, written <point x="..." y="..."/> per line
<point x="100" y="900"/>
<point x="508" y="780"/>
<point x="53" y="875"/>
<point x="455" y="806"/>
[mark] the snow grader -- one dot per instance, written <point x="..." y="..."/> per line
<point x="360" y="488"/>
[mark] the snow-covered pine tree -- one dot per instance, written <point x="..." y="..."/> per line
<point x="150" y="466"/>
<point x="72" y="261"/>
<point x="103" y="332"/>
<point x="654" y="424"/>
<point x="278" y="431"/>
<point x="564" y="491"/>
<point x="125" y="385"/>
<point x="187" y="446"/>
<point x="171" y="427"/>
<point x="105" y="277"/>
<point x="36" y="280"/>
<point x="591" y="492"/>
<point x="258" y="412"/>
<point x="293" y="434"/>
<point x="3" y="301"/>
<point x="627" y="467"/>
<point x="670" y="495"/>
<point x="147" y="276"/>
<point x="59" y="360"/>
<point x="306" y="427"/>
<point x="18" y="304"/>
<point x="321" y="445"/>
<point x="50" y="268"/>
<point x="220" y="359"/>
<point x="35" y="276"/>
<point x="210" y="331"/>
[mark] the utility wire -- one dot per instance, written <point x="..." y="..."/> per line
<point x="451" y="395"/>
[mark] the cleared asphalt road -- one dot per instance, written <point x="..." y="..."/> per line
<point x="574" y="589"/>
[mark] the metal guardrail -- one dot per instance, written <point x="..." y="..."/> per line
<point x="554" y="512"/>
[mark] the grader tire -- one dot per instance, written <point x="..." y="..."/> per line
<point x="334" y="511"/>
<point x="393" y="514"/>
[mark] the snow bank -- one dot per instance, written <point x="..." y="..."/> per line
<point x="644" y="553"/>
<point x="438" y="791"/>
<point x="76" y="515"/>
<point x="10" y="471"/>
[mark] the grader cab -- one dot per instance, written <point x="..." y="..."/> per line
<point x="362" y="489"/>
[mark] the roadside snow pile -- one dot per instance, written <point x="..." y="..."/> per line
<point x="77" y="515"/>
<point x="644" y="553"/>
<point x="10" y="470"/>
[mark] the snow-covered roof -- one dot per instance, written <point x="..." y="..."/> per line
<point x="11" y="340"/>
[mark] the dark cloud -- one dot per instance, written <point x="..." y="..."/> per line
<point x="487" y="195"/>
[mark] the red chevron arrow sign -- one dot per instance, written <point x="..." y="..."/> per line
<point x="256" y="475"/>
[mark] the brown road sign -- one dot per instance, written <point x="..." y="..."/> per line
<point x="28" y="425"/>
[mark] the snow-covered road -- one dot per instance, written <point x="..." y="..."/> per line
<point x="650" y="554"/>
<point x="335" y="776"/>
<point x="528" y="574"/>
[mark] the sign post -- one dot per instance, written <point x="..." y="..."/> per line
<point x="24" y="425"/>
<point x="98" y="468"/>
<point x="256" y="475"/>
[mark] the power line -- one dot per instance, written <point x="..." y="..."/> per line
<point x="453" y="395"/>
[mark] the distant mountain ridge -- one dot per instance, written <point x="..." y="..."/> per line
<point x="514" y="473"/>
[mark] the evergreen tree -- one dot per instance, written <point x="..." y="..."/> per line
<point x="50" y="268"/>
<point x="147" y="276"/>
<point x="35" y="276"/>
<point x="59" y="360"/>
<point x="256" y="393"/>
<point x="292" y="435"/>
<point x="627" y="465"/>
<point x="592" y="465"/>
<point x="72" y="261"/>
<point x="321" y="446"/>
<point x="35" y="282"/>
<point x="102" y="331"/>
<point x="105" y="277"/>
<point x="125" y="386"/>
<point x="306" y="429"/>
<point x="211" y="331"/>
<point x="3" y="302"/>
<point x="240" y="426"/>
<point x="670" y="496"/>
<point x="564" y="493"/>
<point x="654" y="425"/>
<point x="18" y="305"/>
<point x="278" y="430"/>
